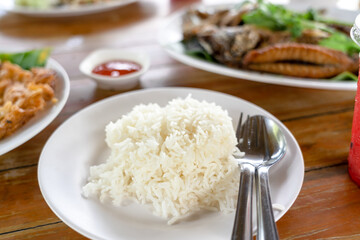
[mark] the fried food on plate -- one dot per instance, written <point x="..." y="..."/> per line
<point x="299" y="60"/>
<point x="22" y="95"/>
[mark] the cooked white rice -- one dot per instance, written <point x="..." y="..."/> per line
<point x="176" y="159"/>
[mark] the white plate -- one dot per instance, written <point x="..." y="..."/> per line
<point x="171" y="33"/>
<point x="43" y="118"/>
<point x="79" y="143"/>
<point x="63" y="11"/>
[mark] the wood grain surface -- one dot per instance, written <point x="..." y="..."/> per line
<point x="328" y="206"/>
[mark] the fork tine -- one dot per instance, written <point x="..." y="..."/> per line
<point x="246" y="132"/>
<point x="243" y="132"/>
<point x="239" y="128"/>
<point x="260" y="133"/>
<point x="266" y="142"/>
<point x="254" y="133"/>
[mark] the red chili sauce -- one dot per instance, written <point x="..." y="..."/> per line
<point x="116" y="68"/>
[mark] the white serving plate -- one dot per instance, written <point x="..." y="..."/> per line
<point x="79" y="143"/>
<point x="42" y="118"/>
<point x="62" y="11"/>
<point x="171" y="33"/>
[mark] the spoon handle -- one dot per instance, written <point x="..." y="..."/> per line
<point x="265" y="222"/>
<point x="243" y="219"/>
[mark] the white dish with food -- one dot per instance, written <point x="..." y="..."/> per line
<point x="171" y="34"/>
<point x="63" y="172"/>
<point x="44" y="117"/>
<point x="66" y="10"/>
<point x="125" y="81"/>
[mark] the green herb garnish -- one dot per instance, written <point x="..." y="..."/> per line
<point x="345" y="76"/>
<point x="278" y="18"/>
<point x="29" y="59"/>
<point x="200" y="54"/>
<point x="194" y="49"/>
<point x="340" y="42"/>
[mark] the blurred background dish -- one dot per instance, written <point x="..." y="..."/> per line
<point x="52" y="8"/>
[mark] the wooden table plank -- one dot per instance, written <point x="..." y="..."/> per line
<point x="57" y="230"/>
<point x="328" y="207"/>
<point x="321" y="147"/>
<point x="22" y="205"/>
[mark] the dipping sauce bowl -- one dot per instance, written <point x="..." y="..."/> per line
<point x="127" y="68"/>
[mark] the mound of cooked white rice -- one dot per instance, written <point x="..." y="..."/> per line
<point x="176" y="159"/>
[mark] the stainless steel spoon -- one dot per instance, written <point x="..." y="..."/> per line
<point x="275" y="145"/>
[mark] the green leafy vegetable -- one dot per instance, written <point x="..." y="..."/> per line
<point x="278" y="18"/>
<point x="193" y="48"/>
<point x="311" y="15"/>
<point x="200" y="54"/>
<point x="270" y="16"/>
<point x="29" y="59"/>
<point x="340" y="42"/>
<point x="345" y="76"/>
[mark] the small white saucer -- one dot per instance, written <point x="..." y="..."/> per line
<point x="123" y="82"/>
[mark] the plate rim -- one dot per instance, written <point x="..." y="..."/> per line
<point x="46" y="119"/>
<point x="86" y="233"/>
<point x="242" y="74"/>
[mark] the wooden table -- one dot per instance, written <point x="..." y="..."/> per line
<point x="328" y="206"/>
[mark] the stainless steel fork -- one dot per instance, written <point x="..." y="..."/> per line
<point x="250" y="137"/>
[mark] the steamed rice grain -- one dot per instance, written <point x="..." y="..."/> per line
<point x="176" y="159"/>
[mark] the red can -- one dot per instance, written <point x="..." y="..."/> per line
<point x="354" y="154"/>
